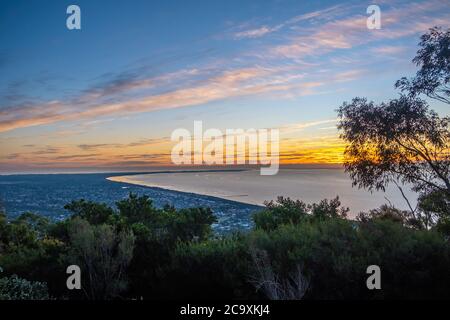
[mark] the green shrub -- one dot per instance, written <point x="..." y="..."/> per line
<point x="214" y="269"/>
<point x="288" y="211"/>
<point x="15" y="288"/>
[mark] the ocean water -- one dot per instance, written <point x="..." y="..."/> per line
<point x="46" y="194"/>
<point x="249" y="186"/>
<point x="233" y="195"/>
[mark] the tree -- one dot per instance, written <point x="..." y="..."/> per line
<point x="291" y="287"/>
<point x="36" y="222"/>
<point x="287" y="211"/>
<point x="137" y="209"/>
<point x="190" y="224"/>
<point x="17" y="234"/>
<point x="95" y="213"/>
<point x="403" y="141"/>
<point x="433" y="57"/>
<point x="384" y="212"/>
<point x="103" y="254"/>
<point x="398" y="141"/>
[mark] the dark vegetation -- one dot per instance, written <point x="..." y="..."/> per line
<point x="294" y="251"/>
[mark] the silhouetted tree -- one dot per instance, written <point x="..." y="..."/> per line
<point x="398" y="140"/>
<point x="433" y="58"/>
<point x="402" y="141"/>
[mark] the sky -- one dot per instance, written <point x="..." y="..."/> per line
<point x="108" y="96"/>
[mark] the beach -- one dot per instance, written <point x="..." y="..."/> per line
<point x="248" y="186"/>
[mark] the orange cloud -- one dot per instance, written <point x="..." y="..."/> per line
<point x="229" y="84"/>
<point x="157" y="151"/>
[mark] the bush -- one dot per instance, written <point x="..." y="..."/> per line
<point x="288" y="211"/>
<point x="295" y="251"/>
<point x="15" y="288"/>
<point x="213" y="269"/>
<point x="334" y="254"/>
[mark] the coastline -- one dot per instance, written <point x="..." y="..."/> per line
<point x="29" y="193"/>
<point x="131" y="179"/>
<point x="248" y="187"/>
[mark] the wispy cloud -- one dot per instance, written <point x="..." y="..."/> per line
<point x="46" y="151"/>
<point x="290" y="128"/>
<point x="349" y="75"/>
<point x="142" y="142"/>
<point x="261" y="31"/>
<point x="278" y="68"/>
<point x="254" y="33"/>
<point x="233" y="83"/>
<point x="96" y="146"/>
<point x="76" y="157"/>
<point x="352" y="31"/>
<point x="389" y="50"/>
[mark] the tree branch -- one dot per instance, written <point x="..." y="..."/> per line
<point x="406" y="199"/>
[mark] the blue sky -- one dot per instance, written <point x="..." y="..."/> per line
<point x="111" y="93"/>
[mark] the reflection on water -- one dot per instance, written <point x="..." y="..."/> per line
<point x="309" y="185"/>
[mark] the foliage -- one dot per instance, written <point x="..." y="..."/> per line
<point x="396" y="141"/>
<point x="296" y="250"/>
<point x="94" y="213"/>
<point x="435" y="202"/>
<point x="138" y="209"/>
<point x="288" y="211"/>
<point x="292" y="287"/>
<point x="386" y="212"/>
<point x="191" y="224"/>
<point x="213" y="269"/>
<point x="402" y="141"/>
<point x="334" y="254"/>
<point x="433" y="57"/>
<point x="15" y="288"/>
<point x="103" y="253"/>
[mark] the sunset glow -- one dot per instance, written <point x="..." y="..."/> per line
<point x="109" y="95"/>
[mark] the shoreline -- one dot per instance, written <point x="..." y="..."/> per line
<point x="248" y="187"/>
<point x="128" y="179"/>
